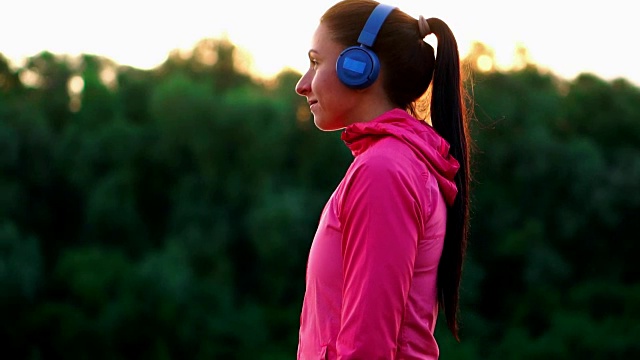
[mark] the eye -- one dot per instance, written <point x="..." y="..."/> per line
<point x="313" y="63"/>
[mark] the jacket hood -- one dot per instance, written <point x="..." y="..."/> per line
<point x="426" y="143"/>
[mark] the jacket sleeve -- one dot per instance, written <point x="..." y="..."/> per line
<point x="380" y="221"/>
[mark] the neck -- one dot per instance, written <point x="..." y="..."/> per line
<point x="372" y="104"/>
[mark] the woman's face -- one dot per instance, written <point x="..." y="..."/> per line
<point x="332" y="103"/>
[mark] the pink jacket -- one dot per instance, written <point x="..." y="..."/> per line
<point x="371" y="273"/>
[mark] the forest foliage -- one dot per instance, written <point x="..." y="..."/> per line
<point x="167" y="213"/>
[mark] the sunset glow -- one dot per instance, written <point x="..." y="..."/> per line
<point x="562" y="36"/>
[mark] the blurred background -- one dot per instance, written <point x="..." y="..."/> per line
<point x="163" y="208"/>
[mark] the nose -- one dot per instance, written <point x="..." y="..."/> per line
<point x="303" y="87"/>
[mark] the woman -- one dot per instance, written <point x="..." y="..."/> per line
<point x="391" y="240"/>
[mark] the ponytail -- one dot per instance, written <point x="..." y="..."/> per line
<point x="449" y="119"/>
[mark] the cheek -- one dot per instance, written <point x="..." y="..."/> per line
<point x="327" y="85"/>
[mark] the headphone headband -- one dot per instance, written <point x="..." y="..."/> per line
<point x="374" y="23"/>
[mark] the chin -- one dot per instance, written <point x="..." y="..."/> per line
<point x="326" y="126"/>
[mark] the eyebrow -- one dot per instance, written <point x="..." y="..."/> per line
<point x="312" y="51"/>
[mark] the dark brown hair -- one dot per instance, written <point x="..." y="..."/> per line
<point x="411" y="67"/>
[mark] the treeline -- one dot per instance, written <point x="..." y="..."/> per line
<point x="167" y="213"/>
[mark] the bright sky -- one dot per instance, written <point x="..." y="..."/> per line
<point x="567" y="37"/>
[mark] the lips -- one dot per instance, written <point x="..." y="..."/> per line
<point x="311" y="103"/>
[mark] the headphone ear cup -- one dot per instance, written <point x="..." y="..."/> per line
<point x="358" y="67"/>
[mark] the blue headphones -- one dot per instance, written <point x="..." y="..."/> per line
<point x="358" y="66"/>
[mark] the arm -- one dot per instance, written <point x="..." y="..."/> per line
<point x="380" y="220"/>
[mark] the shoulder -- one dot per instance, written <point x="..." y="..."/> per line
<point x="387" y="164"/>
<point x="388" y="155"/>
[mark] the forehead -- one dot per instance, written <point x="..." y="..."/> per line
<point x="323" y="44"/>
